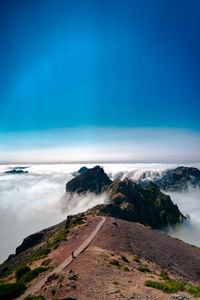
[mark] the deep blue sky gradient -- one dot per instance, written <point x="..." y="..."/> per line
<point x="99" y="63"/>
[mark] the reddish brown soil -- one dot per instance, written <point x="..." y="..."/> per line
<point x="96" y="276"/>
<point x="76" y="237"/>
<point x="168" y="253"/>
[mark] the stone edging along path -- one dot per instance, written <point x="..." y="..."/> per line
<point x="33" y="289"/>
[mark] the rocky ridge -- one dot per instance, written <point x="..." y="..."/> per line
<point x="93" y="180"/>
<point x="180" y="179"/>
<point x="128" y="200"/>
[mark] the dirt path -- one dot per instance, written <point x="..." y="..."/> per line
<point x="33" y="289"/>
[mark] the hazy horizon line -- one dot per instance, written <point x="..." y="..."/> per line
<point x="101" y="162"/>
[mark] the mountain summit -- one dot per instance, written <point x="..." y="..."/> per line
<point x="128" y="200"/>
<point x="92" y="180"/>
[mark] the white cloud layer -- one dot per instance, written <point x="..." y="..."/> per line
<point x="33" y="201"/>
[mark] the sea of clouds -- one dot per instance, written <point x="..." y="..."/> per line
<point x="33" y="201"/>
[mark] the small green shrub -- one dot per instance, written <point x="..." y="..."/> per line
<point x="126" y="269"/>
<point x="169" y="286"/>
<point x="79" y="219"/>
<point x="32" y="274"/>
<point x="136" y="259"/>
<point x="112" y="254"/>
<point x="5" y="272"/>
<point x="54" y="276"/>
<point x="143" y="269"/>
<point x="115" y="282"/>
<point x="20" y="272"/>
<point x="59" y="237"/>
<point x="164" y="275"/>
<point x="101" y="213"/>
<point x="46" y="262"/>
<point x="42" y="253"/>
<point x="11" y="290"/>
<point x="195" y="291"/>
<point x="114" y="262"/>
<point x="124" y="258"/>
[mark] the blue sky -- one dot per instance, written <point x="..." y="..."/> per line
<point x="98" y="64"/>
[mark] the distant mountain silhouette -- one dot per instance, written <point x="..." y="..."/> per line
<point x="180" y="178"/>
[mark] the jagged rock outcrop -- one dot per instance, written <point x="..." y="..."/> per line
<point x="132" y="202"/>
<point x="128" y="200"/>
<point x="93" y="180"/>
<point x="180" y="179"/>
<point x="30" y="241"/>
<point x="149" y="184"/>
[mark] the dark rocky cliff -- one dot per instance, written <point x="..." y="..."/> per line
<point x="180" y="178"/>
<point x="132" y="202"/>
<point x="93" y="180"/>
<point x="128" y="200"/>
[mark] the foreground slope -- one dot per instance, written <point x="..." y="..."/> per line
<point x="111" y="264"/>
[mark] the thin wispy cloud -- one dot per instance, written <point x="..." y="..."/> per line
<point x="101" y="144"/>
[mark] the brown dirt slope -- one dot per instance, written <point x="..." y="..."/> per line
<point x="91" y="275"/>
<point x="169" y="253"/>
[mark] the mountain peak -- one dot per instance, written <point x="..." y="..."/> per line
<point x="92" y="180"/>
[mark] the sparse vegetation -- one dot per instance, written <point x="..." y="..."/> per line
<point x="136" y="259"/>
<point x="61" y="235"/>
<point x="195" y="291"/>
<point x="20" y="272"/>
<point x="126" y="269"/>
<point x="46" y="262"/>
<point x="12" y="290"/>
<point x="124" y="258"/>
<point x="101" y="213"/>
<point x="114" y="262"/>
<point x="79" y="219"/>
<point x="115" y="282"/>
<point x="29" y="276"/>
<point x="41" y="254"/>
<point x="169" y="286"/>
<point x="5" y="272"/>
<point x="164" y="275"/>
<point x="54" y="276"/>
<point x="143" y="269"/>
